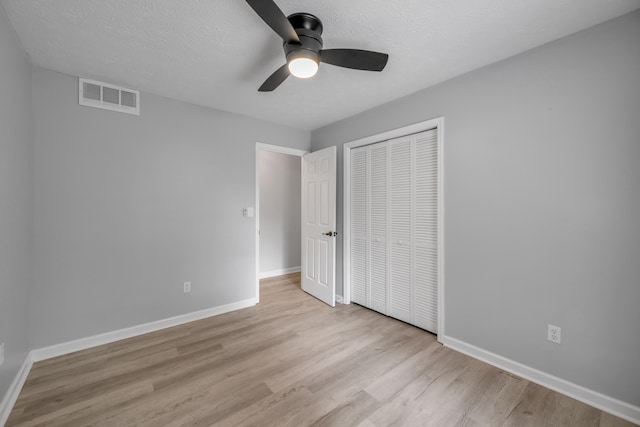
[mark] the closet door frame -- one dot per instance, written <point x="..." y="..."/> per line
<point x="437" y="123"/>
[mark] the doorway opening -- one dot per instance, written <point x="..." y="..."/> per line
<point x="278" y="211"/>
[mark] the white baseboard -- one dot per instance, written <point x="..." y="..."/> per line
<point x="14" y="389"/>
<point x="84" y="343"/>
<point x="605" y="403"/>
<point x="274" y="273"/>
<point x="339" y="299"/>
<point x="108" y="337"/>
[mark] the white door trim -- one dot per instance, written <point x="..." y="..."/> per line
<point x="346" y="238"/>
<point x="276" y="149"/>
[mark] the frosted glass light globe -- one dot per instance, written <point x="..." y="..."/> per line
<point x="303" y="68"/>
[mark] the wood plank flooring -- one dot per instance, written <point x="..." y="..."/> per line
<point x="289" y="361"/>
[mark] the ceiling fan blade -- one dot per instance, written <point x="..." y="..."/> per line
<point x="273" y="16"/>
<point x="275" y="79"/>
<point x="355" y="58"/>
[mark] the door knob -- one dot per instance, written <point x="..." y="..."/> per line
<point x="331" y="233"/>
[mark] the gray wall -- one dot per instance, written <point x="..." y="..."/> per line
<point x="542" y="203"/>
<point x="280" y="181"/>
<point x="127" y="208"/>
<point x="15" y="200"/>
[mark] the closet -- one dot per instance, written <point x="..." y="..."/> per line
<point x="394" y="228"/>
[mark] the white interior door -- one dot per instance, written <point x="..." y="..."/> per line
<point x="319" y="224"/>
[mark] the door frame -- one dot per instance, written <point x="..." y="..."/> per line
<point x="436" y="123"/>
<point x="275" y="149"/>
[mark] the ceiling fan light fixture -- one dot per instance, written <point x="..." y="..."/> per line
<point x="303" y="65"/>
<point x="301" y="35"/>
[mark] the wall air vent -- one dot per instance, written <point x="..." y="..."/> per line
<point x="96" y="94"/>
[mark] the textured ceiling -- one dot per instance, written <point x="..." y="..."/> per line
<point x="218" y="52"/>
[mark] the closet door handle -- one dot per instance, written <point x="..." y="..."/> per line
<point x="331" y="233"/>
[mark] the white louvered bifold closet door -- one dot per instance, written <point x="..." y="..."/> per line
<point x="359" y="226"/>
<point x="425" y="232"/>
<point x="401" y="219"/>
<point x="378" y="220"/>
<point x="394" y="228"/>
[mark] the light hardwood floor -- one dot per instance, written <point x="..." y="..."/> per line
<point x="290" y="361"/>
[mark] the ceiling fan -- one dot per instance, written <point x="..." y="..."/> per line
<point x="301" y="33"/>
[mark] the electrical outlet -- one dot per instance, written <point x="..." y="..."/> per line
<point x="554" y="334"/>
<point x="1" y="354"/>
<point x="187" y="287"/>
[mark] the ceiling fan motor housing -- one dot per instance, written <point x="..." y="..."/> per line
<point x="309" y="30"/>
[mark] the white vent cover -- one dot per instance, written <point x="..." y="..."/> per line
<point x="96" y="94"/>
